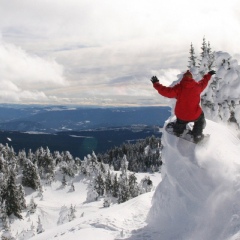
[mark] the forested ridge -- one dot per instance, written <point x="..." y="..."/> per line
<point x="34" y="170"/>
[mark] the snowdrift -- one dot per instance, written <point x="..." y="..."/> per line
<point x="199" y="196"/>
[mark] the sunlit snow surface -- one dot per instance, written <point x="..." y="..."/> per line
<point x="198" y="197"/>
<point x="92" y="222"/>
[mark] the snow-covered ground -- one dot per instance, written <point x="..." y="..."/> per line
<point x="198" y="197"/>
<point x="92" y="221"/>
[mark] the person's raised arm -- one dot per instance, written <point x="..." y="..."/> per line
<point x="170" y="92"/>
<point x="204" y="82"/>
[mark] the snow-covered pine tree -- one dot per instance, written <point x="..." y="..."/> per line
<point x="221" y="99"/>
<point x="203" y="62"/>
<point x="63" y="215"/>
<point x="72" y="214"/>
<point x="99" y="184"/>
<point x="145" y="185"/>
<point x="84" y="167"/>
<point x="72" y="189"/>
<point x="133" y="185"/>
<point x="103" y="168"/>
<point x="108" y="183"/>
<point x="204" y="48"/>
<point x="30" y="174"/>
<point x="207" y="61"/>
<point x="92" y="195"/>
<point x="32" y="206"/>
<point x="192" y="58"/>
<point x="71" y="166"/>
<point x="211" y="57"/>
<point x="7" y="235"/>
<point x="21" y="195"/>
<point x="40" y="228"/>
<point x="93" y="164"/>
<point x="3" y="187"/>
<point x="64" y="181"/>
<point x="66" y="169"/>
<point x="124" y="165"/>
<point x="90" y="165"/>
<point x="21" y="157"/>
<point x="12" y="196"/>
<point x="46" y="162"/>
<point x="3" y="164"/>
<point x="115" y="186"/>
<point x="106" y="202"/>
<point x="40" y="192"/>
<point x="3" y="214"/>
<point x="124" y="191"/>
<point x="58" y="158"/>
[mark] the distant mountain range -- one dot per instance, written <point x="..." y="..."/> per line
<point x="77" y="130"/>
<point x="53" y="119"/>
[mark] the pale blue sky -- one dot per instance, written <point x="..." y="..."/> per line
<point x="104" y="52"/>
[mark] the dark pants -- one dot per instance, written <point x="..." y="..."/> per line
<point x="198" y="126"/>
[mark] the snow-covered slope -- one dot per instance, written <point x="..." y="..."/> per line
<point x="92" y="222"/>
<point x="198" y="197"/>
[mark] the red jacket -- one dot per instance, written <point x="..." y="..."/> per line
<point x="187" y="92"/>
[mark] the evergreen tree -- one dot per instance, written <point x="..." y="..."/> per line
<point x="103" y="168"/>
<point x="30" y="177"/>
<point x="3" y="214"/>
<point x="204" y="48"/>
<point x="211" y="57"/>
<point x="7" y="235"/>
<point x="45" y="161"/>
<point x="3" y="164"/>
<point x="3" y="187"/>
<point x="64" y="181"/>
<point x="124" y="191"/>
<point x="99" y="184"/>
<point x="115" y="187"/>
<point x="92" y="195"/>
<point x="40" y="228"/>
<point x="67" y="169"/>
<point x="40" y="192"/>
<point x="72" y="187"/>
<point x="21" y="195"/>
<point x="146" y="185"/>
<point x="108" y="183"/>
<point x="133" y="185"/>
<point x="207" y="58"/>
<point x="124" y="165"/>
<point x="13" y="205"/>
<point x="106" y="202"/>
<point x="32" y="206"/>
<point x="72" y="211"/>
<point x="67" y="157"/>
<point x="192" y="58"/>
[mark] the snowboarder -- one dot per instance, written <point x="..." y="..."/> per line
<point x="187" y="93"/>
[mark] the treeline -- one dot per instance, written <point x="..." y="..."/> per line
<point x="143" y="156"/>
<point x="113" y="186"/>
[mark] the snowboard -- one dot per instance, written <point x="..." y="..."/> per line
<point x="186" y="135"/>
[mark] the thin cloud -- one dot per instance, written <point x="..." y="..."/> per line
<point x="23" y="77"/>
<point x="79" y="52"/>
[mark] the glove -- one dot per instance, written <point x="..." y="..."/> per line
<point x="212" y="72"/>
<point x="154" y="79"/>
